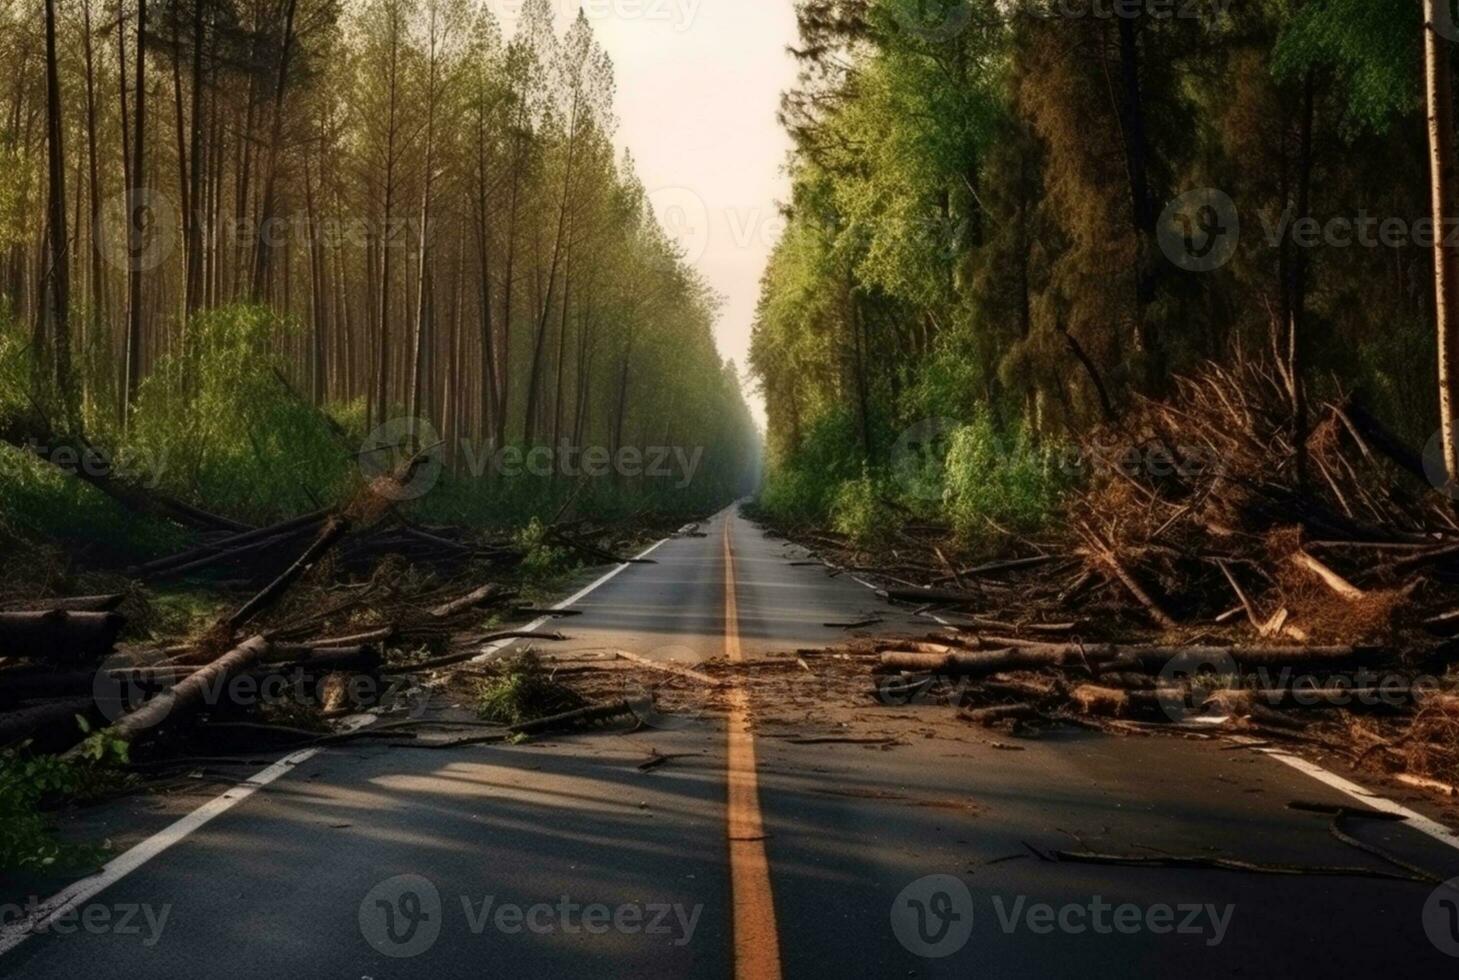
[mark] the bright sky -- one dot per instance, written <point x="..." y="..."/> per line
<point x="699" y="83"/>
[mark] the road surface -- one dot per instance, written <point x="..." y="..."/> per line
<point x="749" y="855"/>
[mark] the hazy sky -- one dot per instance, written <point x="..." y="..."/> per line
<point x="699" y="82"/>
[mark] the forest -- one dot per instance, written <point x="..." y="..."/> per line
<point x="1014" y="221"/>
<point x="237" y="235"/>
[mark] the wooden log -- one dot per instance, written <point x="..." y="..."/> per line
<point x="75" y="603"/>
<point x="52" y="725"/>
<point x="231" y="543"/>
<point x="1330" y="578"/>
<point x="1148" y="656"/>
<point x="180" y="703"/>
<point x="26" y="684"/>
<point x="1108" y="702"/>
<point x="335" y="529"/>
<point x="1000" y="712"/>
<point x="942" y="597"/>
<point x="572" y="719"/>
<point x="58" y="635"/>
<point x="471" y="600"/>
<point x="448" y="659"/>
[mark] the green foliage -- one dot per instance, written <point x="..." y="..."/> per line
<point x="861" y="512"/>
<point x="224" y="428"/>
<point x="1373" y="47"/>
<point x="524" y="690"/>
<point x="997" y="482"/>
<point x="27" y="783"/>
<point x="541" y="560"/>
<point x="802" y="486"/>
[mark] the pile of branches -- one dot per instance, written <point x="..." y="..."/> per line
<point x="1228" y="523"/>
<point x="1369" y="704"/>
<point x="1215" y="506"/>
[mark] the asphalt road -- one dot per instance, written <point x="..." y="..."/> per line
<point x="562" y="859"/>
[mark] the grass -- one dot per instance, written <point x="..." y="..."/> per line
<point x="522" y="691"/>
<point x="28" y="783"/>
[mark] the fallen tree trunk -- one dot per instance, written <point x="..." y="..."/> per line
<point x="58" y="635"/>
<point x="1148" y="656"/>
<point x="333" y="531"/>
<point x="477" y="597"/>
<point x="51" y="726"/>
<point x="75" y="603"/>
<point x="78" y="458"/>
<point x="569" y="719"/>
<point x="231" y="543"/>
<point x="180" y="703"/>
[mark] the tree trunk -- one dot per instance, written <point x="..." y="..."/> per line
<point x="1439" y="93"/>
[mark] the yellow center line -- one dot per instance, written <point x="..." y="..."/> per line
<point x="757" y="944"/>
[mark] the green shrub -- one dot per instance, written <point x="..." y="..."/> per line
<point x="223" y="428"/>
<point x="861" y="512"/>
<point x="997" y="479"/>
<point x="27" y="783"/>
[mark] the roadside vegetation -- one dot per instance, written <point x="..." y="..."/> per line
<point x="996" y="249"/>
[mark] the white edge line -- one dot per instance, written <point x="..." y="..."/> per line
<point x="1412" y="818"/>
<point x="73" y="895"/>
<point x="492" y="649"/>
<point x="15" y="933"/>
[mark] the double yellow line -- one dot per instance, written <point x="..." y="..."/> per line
<point x="756" y="942"/>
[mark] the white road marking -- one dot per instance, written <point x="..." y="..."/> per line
<point x="15" y="933"/>
<point x="74" y="895"/>
<point x="1412" y="818"/>
<point x="492" y="649"/>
